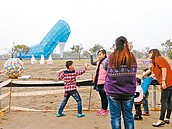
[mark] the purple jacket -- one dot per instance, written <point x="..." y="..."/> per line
<point x="120" y="82"/>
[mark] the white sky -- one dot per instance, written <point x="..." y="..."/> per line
<point x="147" y="23"/>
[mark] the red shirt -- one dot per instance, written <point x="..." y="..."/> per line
<point x="161" y="62"/>
<point x="70" y="78"/>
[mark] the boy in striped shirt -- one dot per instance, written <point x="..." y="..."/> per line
<point x="69" y="77"/>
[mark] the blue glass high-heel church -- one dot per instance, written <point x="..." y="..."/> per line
<point x="58" y="34"/>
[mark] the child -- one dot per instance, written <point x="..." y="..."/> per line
<point x="145" y="86"/>
<point x="99" y="80"/>
<point x="69" y="76"/>
<point x="138" y="100"/>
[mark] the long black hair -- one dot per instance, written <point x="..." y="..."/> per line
<point x="98" y="67"/>
<point x="102" y="51"/>
<point x="122" y="54"/>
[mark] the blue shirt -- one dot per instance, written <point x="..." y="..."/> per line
<point x="146" y="83"/>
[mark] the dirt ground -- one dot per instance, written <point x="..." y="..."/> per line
<point x="47" y="120"/>
<point x="48" y="104"/>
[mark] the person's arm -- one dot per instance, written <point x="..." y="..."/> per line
<point x="146" y="73"/>
<point x="105" y="66"/>
<point x="80" y="72"/>
<point x="136" y="94"/>
<point x="60" y="74"/>
<point x="164" y="74"/>
<point x="130" y="45"/>
<point x="92" y="61"/>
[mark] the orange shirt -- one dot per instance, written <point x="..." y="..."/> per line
<point x="161" y="62"/>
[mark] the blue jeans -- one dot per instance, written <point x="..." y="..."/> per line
<point x="124" y="105"/>
<point x="145" y="102"/>
<point x="76" y="96"/>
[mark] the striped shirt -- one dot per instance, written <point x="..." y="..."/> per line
<point x="70" y="78"/>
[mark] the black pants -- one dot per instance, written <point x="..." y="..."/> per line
<point x="104" y="101"/>
<point x="138" y="110"/>
<point x="166" y="103"/>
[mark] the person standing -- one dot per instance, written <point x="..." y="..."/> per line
<point x="145" y="84"/>
<point x="162" y="71"/>
<point x="69" y="77"/>
<point x="138" y="100"/>
<point x="120" y="84"/>
<point x="99" y="80"/>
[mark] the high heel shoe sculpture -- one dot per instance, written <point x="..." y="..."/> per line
<point x="57" y="35"/>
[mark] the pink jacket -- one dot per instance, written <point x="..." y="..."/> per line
<point x="102" y="73"/>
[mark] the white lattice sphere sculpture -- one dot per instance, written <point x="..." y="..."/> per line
<point x="14" y="67"/>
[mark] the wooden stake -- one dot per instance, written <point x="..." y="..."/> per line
<point x="10" y="97"/>
<point x="90" y="93"/>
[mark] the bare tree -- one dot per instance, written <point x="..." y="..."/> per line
<point x="21" y="49"/>
<point x="78" y="49"/>
<point x="168" y="47"/>
<point x="95" y="49"/>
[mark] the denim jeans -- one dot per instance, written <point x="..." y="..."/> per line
<point x="145" y="102"/>
<point x="76" y="96"/>
<point x="124" y="105"/>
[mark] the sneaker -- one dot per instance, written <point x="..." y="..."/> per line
<point x="102" y="112"/>
<point x="136" y="117"/>
<point x="145" y="113"/>
<point x="60" y="115"/>
<point x="105" y="112"/>
<point x="80" y="115"/>
<point x="140" y="118"/>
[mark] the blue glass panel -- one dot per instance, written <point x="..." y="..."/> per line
<point x="59" y="33"/>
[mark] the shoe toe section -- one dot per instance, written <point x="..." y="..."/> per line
<point x="80" y="115"/>
<point x="102" y="112"/>
<point x="145" y="113"/>
<point x="158" y="124"/>
<point x="167" y="121"/>
<point x="59" y="115"/>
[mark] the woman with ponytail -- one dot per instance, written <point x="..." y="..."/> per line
<point x="120" y="84"/>
<point x="99" y="80"/>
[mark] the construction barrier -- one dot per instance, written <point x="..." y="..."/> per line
<point x="48" y="92"/>
<point x="27" y="83"/>
<point x="2" y="96"/>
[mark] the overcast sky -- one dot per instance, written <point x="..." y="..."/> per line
<point x="147" y="23"/>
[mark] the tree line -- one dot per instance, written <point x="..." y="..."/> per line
<point x="78" y="51"/>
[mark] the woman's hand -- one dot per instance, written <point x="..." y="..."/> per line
<point x="163" y="86"/>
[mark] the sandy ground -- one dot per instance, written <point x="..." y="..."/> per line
<point x="47" y="119"/>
